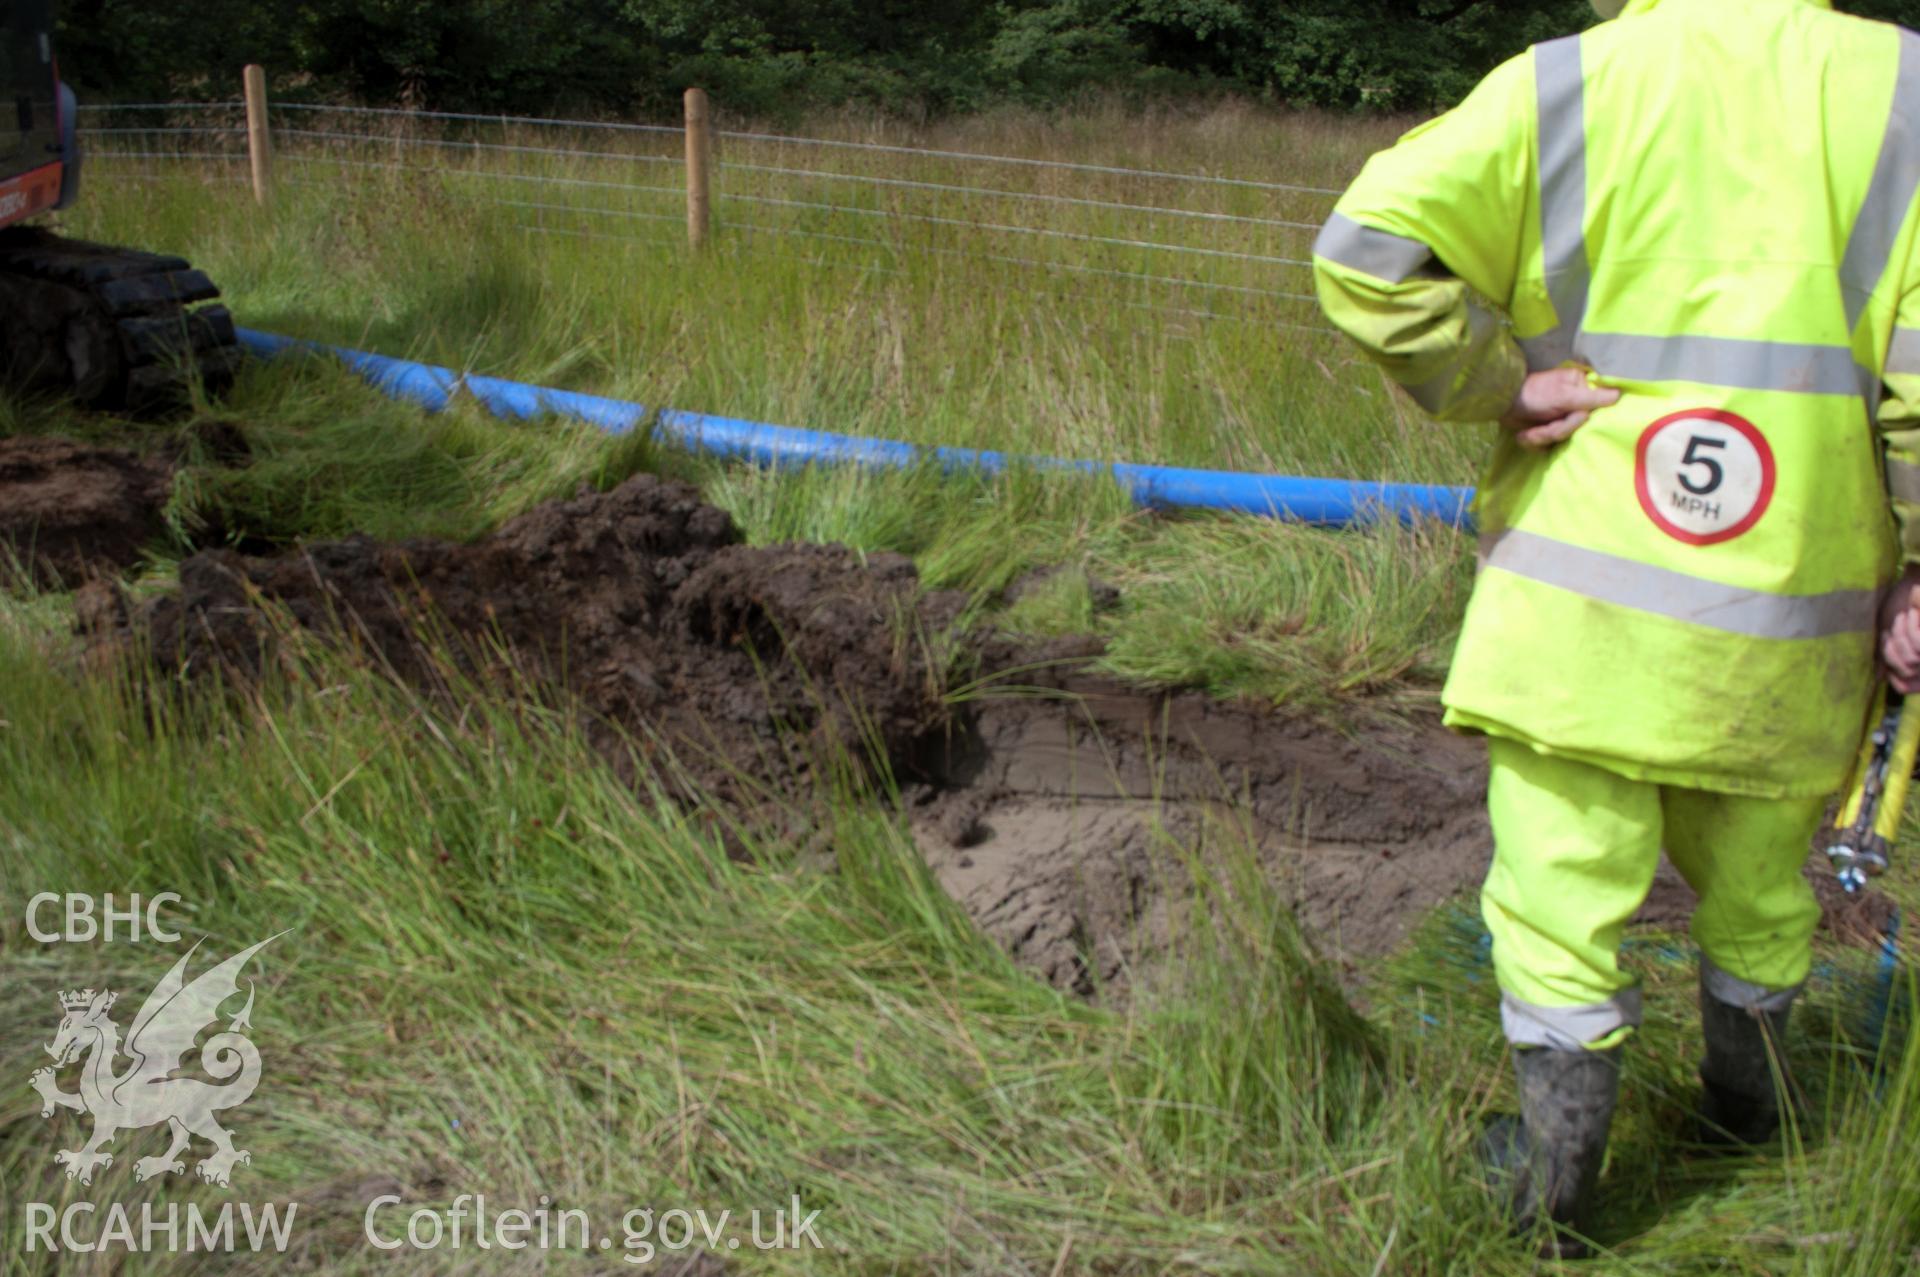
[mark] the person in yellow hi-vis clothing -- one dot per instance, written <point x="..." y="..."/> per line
<point x="1675" y="257"/>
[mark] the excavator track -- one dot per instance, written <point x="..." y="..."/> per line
<point x="112" y="328"/>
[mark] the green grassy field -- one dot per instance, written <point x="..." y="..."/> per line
<point x="505" y="973"/>
<point x="919" y="331"/>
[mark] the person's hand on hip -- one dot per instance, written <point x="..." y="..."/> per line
<point x="1900" y="632"/>
<point x="1552" y="405"/>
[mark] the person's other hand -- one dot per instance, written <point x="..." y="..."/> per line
<point x="1900" y="633"/>
<point x="1552" y="405"/>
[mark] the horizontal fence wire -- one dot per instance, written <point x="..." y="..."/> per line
<point x="814" y="205"/>
<point x="156" y="176"/>
<point x="1174" y="280"/>
<point x="679" y="241"/>
<point x="779" y="139"/>
<point x="1075" y="166"/>
<point x="1050" y="232"/>
<point x="629" y="214"/>
<point x="1036" y="196"/>
<point x="543" y="179"/>
<point x="373" y="139"/>
<point x="874" y="268"/>
<point x="232" y="104"/>
<point x="574" y="232"/>
<point x="674" y="191"/>
<point x="1031" y="262"/>
<point x="236" y="156"/>
<point x="327" y="153"/>
<point x="1245" y="290"/>
<point x="488" y="203"/>
<point x="148" y="131"/>
<point x="538" y="120"/>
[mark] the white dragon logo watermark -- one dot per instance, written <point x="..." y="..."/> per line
<point x="147" y="1092"/>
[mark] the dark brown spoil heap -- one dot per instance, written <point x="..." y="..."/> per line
<point x="641" y="601"/>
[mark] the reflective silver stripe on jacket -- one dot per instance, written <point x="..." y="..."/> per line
<point x="1567" y="1028"/>
<point x="1726" y="361"/>
<point x="1896" y="175"/>
<point x="1903" y="352"/>
<point x="1560" y="93"/>
<point x="1388" y="257"/>
<point x="1678" y="595"/>
<point x="1740" y="363"/>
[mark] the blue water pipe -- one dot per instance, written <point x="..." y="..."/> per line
<point x="1327" y="502"/>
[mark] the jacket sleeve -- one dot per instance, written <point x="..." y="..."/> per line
<point x="1431" y="230"/>
<point x="1900" y="427"/>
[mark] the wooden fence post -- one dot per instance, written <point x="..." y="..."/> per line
<point x="259" y="144"/>
<point x="699" y="150"/>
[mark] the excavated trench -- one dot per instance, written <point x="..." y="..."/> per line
<point x="1059" y="807"/>
<point x="1062" y="819"/>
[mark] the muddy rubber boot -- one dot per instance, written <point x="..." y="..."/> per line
<point x="1739" y="1103"/>
<point x="1547" y="1160"/>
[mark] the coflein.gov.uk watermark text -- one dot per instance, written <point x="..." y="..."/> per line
<point x="643" y="1233"/>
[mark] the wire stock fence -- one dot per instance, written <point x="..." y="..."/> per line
<point x="1182" y="245"/>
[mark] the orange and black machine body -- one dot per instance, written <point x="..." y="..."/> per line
<point x="39" y="157"/>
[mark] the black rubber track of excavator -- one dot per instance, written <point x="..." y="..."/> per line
<point x="112" y="327"/>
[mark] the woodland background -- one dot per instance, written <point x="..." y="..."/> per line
<point x="780" y="57"/>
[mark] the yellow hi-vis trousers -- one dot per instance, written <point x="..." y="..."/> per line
<point x="1575" y="849"/>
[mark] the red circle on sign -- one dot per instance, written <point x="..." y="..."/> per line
<point x="1747" y="430"/>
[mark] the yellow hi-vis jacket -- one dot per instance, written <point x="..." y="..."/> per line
<point x="1709" y="203"/>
